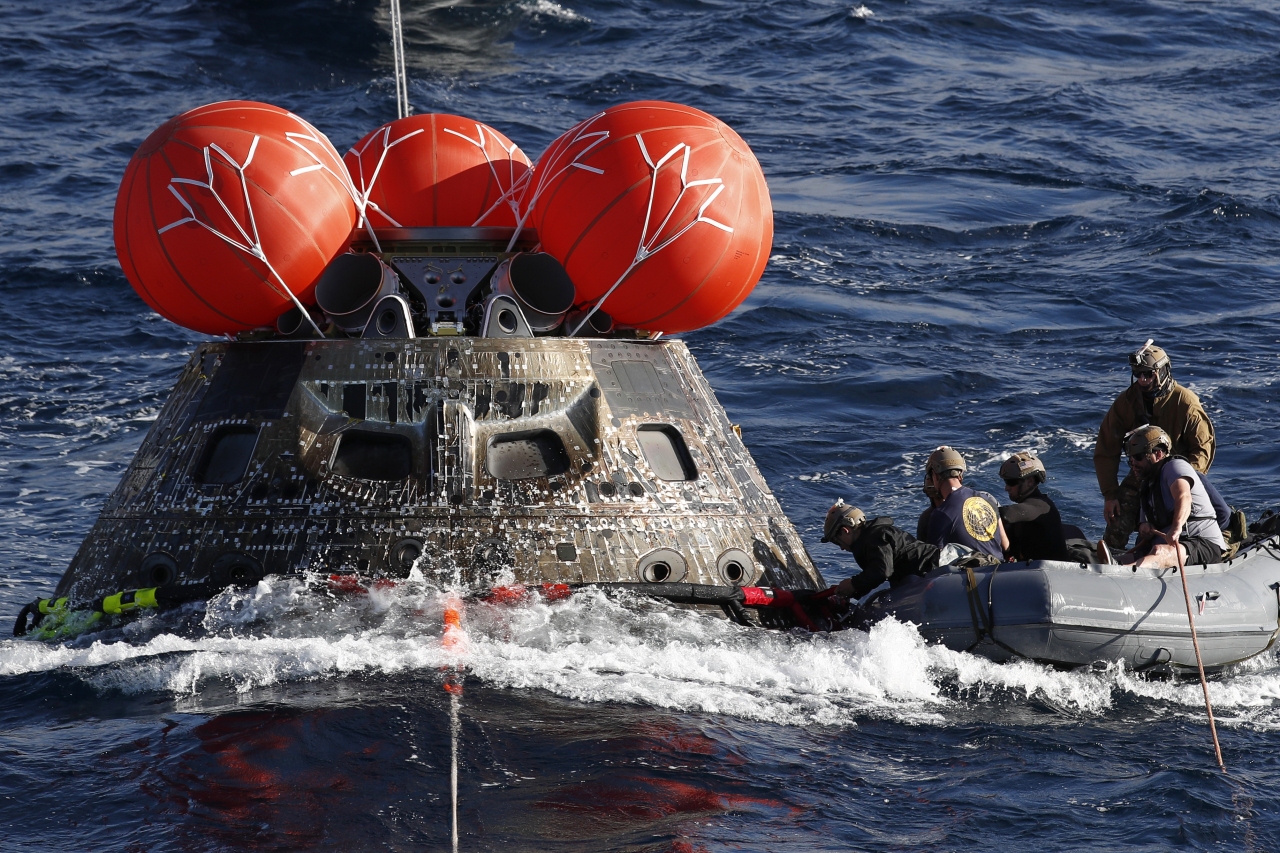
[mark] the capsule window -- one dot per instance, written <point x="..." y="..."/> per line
<point x="373" y="456"/>
<point x="527" y="454"/>
<point x="227" y="455"/>
<point x="664" y="449"/>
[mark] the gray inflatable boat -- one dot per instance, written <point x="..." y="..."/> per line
<point x="1073" y="614"/>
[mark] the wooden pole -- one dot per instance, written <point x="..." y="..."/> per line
<point x="1204" y="685"/>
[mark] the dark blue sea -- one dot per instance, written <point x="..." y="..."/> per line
<point x="981" y="207"/>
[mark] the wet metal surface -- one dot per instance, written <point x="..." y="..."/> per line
<point x="568" y="460"/>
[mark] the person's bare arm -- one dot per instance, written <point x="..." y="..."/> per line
<point x="1181" y="489"/>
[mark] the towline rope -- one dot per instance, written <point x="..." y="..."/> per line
<point x="454" y="641"/>
<point x="397" y="54"/>
<point x="1195" y="642"/>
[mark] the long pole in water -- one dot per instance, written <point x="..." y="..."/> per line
<point x="1204" y="685"/>
<point x="453" y="766"/>
<point x="454" y="641"/>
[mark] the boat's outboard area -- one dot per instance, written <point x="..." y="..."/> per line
<point x="554" y="459"/>
<point x="1072" y="614"/>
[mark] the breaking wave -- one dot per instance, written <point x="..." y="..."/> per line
<point x="594" y="648"/>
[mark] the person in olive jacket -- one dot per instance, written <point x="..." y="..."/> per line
<point x="1152" y="398"/>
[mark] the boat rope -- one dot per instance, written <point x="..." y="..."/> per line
<point x="455" y="644"/>
<point x="397" y="50"/>
<point x="987" y="629"/>
<point x="971" y="593"/>
<point x="1195" y="643"/>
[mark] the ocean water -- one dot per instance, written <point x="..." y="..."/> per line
<point x="981" y="207"/>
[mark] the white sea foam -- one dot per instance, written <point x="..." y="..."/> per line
<point x="593" y="648"/>
<point x="861" y="12"/>
<point x="549" y="9"/>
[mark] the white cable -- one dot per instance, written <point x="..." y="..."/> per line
<point x="509" y="194"/>
<point x="397" y="50"/>
<point x="454" y="728"/>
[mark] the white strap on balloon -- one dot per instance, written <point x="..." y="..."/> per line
<point x="332" y="164"/>
<point x="509" y="196"/>
<point x="521" y="188"/>
<point x="651" y="245"/>
<point x="362" y="194"/>
<point x="248" y="241"/>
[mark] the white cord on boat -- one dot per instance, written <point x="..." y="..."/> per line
<point x="397" y="49"/>
<point x="455" y="643"/>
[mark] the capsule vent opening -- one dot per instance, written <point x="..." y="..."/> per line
<point x="373" y="456"/>
<point x="664" y="449"/>
<point x="227" y="455"/>
<point x="525" y="455"/>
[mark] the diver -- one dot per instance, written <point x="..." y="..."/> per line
<point x="882" y="551"/>
<point x="1032" y="523"/>
<point x="1154" y="398"/>
<point x="965" y="516"/>
<point x="1173" y="506"/>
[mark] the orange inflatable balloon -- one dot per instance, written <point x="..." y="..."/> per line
<point x="659" y="212"/>
<point x="437" y="170"/>
<point x="228" y="214"/>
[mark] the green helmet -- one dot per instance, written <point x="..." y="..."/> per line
<point x="840" y="515"/>
<point x="1153" y="358"/>
<point x="1020" y="466"/>
<point x="1146" y="438"/>
<point x="945" y="462"/>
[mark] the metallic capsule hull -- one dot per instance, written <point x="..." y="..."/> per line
<point x="485" y="460"/>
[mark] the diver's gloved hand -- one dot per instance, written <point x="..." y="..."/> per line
<point x="803" y="596"/>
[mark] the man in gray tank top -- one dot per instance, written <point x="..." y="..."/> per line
<point x="1175" y="510"/>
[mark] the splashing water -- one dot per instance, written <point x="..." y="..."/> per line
<point x="594" y="648"/>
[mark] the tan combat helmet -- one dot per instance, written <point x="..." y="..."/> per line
<point x="1020" y="466"/>
<point x="1151" y="357"/>
<point x="840" y="515"/>
<point x="1146" y="438"/>
<point x="945" y="462"/>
